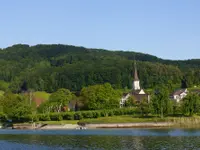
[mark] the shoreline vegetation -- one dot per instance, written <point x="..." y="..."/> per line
<point x="100" y="110"/>
<point x="114" y="122"/>
<point x="48" y="84"/>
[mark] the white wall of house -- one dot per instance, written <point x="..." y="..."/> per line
<point x="177" y="98"/>
<point x="182" y="95"/>
<point x="124" y="99"/>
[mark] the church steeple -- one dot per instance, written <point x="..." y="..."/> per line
<point x="136" y="82"/>
<point x="135" y="73"/>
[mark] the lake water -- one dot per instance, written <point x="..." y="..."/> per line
<point x="100" y="139"/>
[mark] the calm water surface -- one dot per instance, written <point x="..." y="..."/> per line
<point x="100" y="139"/>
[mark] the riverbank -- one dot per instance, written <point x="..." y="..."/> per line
<point x="130" y="125"/>
<point x="92" y="126"/>
<point x="115" y="122"/>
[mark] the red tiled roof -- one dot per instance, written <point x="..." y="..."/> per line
<point x="38" y="101"/>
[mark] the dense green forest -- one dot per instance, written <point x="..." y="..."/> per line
<point x="51" y="67"/>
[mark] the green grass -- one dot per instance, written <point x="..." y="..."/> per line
<point x="53" y="122"/>
<point x="149" y="90"/>
<point x="59" y="122"/>
<point x="194" y="88"/>
<point x="180" y="122"/>
<point x="42" y="94"/>
<point x="122" y="119"/>
<point x="4" y="85"/>
<point x="185" y="122"/>
<point x="1" y="93"/>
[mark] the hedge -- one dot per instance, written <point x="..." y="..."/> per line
<point x="68" y="116"/>
<point x="56" y="117"/>
<point x="3" y="117"/>
<point x="76" y="115"/>
<point x="44" y="117"/>
<point x="87" y="114"/>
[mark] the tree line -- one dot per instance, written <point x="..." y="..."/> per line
<point x="51" y="67"/>
<point x="93" y="102"/>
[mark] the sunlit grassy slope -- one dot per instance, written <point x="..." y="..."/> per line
<point x="1" y="93"/>
<point x="42" y="94"/>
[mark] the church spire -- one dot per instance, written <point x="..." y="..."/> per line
<point x="135" y="73"/>
<point x="136" y="82"/>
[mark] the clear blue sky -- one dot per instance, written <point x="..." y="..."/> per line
<point x="165" y="28"/>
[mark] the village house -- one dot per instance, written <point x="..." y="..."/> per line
<point x="138" y="93"/>
<point x="179" y="94"/>
<point x="38" y="101"/>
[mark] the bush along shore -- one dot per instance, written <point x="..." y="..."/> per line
<point x="79" y="115"/>
<point x="99" y="104"/>
<point x="115" y="118"/>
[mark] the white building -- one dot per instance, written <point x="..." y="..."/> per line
<point x="179" y="94"/>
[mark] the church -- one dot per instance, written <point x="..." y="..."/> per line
<point x="137" y="92"/>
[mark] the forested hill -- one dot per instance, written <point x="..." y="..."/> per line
<point x="50" y="67"/>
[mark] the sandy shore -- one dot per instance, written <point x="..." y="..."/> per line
<point x="57" y="127"/>
<point x="92" y="126"/>
<point x="129" y="125"/>
<point x="45" y="126"/>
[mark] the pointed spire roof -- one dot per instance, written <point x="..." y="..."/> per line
<point x="135" y="73"/>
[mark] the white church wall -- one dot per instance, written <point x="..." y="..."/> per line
<point x="136" y="85"/>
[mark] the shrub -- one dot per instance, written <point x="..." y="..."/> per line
<point x="103" y="113"/>
<point x="68" y="116"/>
<point x="118" y="112"/>
<point x="56" y="117"/>
<point x="110" y="113"/>
<point x="60" y="118"/>
<point x="44" y="117"/>
<point x="35" y="118"/>
<point x="96" y="114"/>
<point x="3" y="117"/>
<point x="87" y="114"/>
<point x="127" y="111"/>
<point x="26" y="118"/>
<point x="78" y="116"/>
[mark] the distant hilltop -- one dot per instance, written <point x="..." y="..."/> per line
<point x="140" y="54"/>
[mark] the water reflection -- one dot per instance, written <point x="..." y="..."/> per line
<point x="94" y="139"/>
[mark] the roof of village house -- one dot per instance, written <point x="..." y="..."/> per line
<point x="38" y="101"/>
<point x="178" y="92"/>
<point x="135" y="91"/>
<point x="140" y="97"/>
<point x="125" y="94"/>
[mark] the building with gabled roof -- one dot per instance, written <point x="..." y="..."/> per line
<point x="138" y="93"/>
<point x="179" y="94"/>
